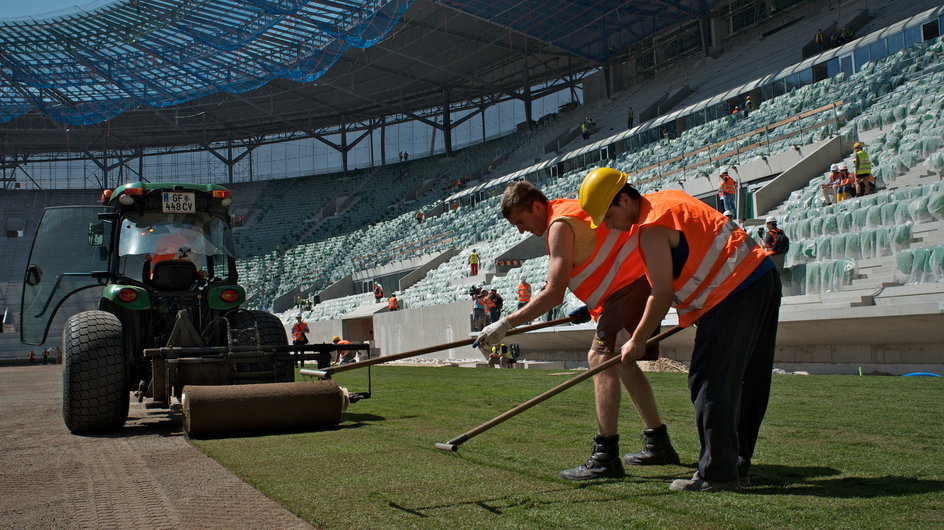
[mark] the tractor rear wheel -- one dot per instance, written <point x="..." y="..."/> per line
<point x="271" y="331"/>
<point x="95" y="392"/>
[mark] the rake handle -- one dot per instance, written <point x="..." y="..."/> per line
<point x="430" y="349"/>
<point x="452" y="445"/>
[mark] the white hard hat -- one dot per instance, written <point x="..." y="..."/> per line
<point x="834" y="167"/>
<point x="844" y="166"/>
<point x="728" y="213"/>
<point x="771" y="219"/>
<point x="723" y="170"/>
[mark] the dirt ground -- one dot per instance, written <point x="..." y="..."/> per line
<point x="146" y="476"/>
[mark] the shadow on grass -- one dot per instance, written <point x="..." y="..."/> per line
<point x="494" y="505"/>
<point x="792" y="480"/>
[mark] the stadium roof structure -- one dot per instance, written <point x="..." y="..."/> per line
<point x="142" y="74"/>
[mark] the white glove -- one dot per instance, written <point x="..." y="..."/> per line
<point x="492" y="335"/>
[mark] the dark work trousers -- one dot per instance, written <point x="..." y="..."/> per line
<point x="729" y="377"/>
<point x="298" y="354"/>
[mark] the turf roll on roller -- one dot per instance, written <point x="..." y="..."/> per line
<point x="228" y="409"/>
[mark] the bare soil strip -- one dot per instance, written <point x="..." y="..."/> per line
<point x="145" y="476"/>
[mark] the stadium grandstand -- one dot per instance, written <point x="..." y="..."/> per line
<point x="336" y="123"/>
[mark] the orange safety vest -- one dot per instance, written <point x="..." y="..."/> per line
<point x="392" y="303"/>
<point x="298" y="330"/>
<point x="378" y="291"/>
<point x="343" y="353"/>
<point x="489" y="303"/>
<point x="846" y="180"/>
<point x="524" y="292"/>
<point x="728" y="186"/>
<point x="721" y="255"/>
<point x="613" y="264"/>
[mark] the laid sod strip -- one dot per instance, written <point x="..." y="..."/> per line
<point x="834" y="452"/>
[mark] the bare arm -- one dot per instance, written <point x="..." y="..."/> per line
<point x="655" y="242"/>
<point x="560" y="240"/>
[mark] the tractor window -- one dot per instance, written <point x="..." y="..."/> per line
<point x="204" y="240"/>
<point x="71" y="245"/>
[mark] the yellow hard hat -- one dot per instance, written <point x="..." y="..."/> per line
<point x="336" y="338"/>
<point x="597" y="191"/>
<point x="857" y="145"/>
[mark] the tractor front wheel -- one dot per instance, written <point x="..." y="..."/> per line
<point x="95" y="392"/>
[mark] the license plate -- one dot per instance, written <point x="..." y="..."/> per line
<point x="178" y="202"/>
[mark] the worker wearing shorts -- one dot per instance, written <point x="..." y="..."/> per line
<point x="621" y="314"/>
<point x="591" y="263"/>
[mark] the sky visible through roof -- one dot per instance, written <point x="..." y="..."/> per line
<point x="40" y="9"/>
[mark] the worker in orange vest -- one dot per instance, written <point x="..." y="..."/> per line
<point x="489" y="306"/>
<point x="378" y="292"/>
<point x="727" y="190"/>
<point x="392" y="304"/>
<point x="524" y="293"/>
<point x="715" y="274"/>
<point x="583" y="260"/>
<point x="344" y="356"/>
<point x="299" y="337"/>
<point x="847" y="182"/>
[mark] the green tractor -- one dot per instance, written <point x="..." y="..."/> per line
<point x="169" y="313"/>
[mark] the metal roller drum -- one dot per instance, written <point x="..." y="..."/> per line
<point x="229" y="409"/>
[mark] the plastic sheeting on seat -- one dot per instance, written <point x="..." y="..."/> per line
<point x="873" y="217"/>
<point x="936" y="205"/>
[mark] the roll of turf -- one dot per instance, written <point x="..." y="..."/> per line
<point x="235" y="409"/>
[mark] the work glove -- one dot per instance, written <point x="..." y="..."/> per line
<point x="492" y="335"/>
<point x="580" y="315"/>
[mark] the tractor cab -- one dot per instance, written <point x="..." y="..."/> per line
<point x="161" y="247"/>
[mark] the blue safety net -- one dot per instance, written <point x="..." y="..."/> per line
<point x="595" y="29"/>
<point x="87" y="68"/>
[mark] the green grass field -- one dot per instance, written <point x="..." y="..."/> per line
<point x="834" y="452"/>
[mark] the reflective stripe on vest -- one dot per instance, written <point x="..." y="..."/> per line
<point x="863" y="165"/>
<point x="728" y="186"/>
<point x="392" y="303"/>
<point x="721" y="254"/>
<point x="524" y="293"/>
<point x="489" y="303"/>
<point x="298" y="331"/>
<point x="613" y="264"/>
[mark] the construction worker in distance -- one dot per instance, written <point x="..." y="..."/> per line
<point x="392" y="304"/>
<point x="344" y="356"/>
<point x="832" y="184"/>
<point x="846" y="184"/>
<point x="863" y="171"/>
<point x="776" y="243"/>
<point x="501" y="355"/>
<point x="299" y="336"/>
<point x="727" y="191"/>
<point x="585" y="260"/>
<point x="490" y="307"/>
<point x="378" y="293"/>
<point x="524" y="293"/>
<point x="474" y="263"/>
<point x="714" y="274"/>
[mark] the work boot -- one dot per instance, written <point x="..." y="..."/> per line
<point x="657" y="449"/>
<point x="604" y="461"/>
<point x="697" y="483"/>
